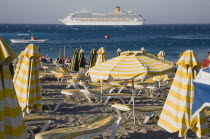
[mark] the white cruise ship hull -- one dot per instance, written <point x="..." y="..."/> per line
<point x="88" y="17"/>
<point x="88" y="23"/>
<point x="27" y="41"/>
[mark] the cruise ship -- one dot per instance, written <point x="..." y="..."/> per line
<point x="88" y="17"/>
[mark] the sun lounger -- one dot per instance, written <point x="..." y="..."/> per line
<point x="44" y="121"/>
<point x="46" y="74"/>
<point x="72" y="82"/>
<point x="97" y="126"/>
<point x="59" y="75"/>
<point x="153" y="92"/>
<point x="42" y="77"/>
<point x="56" y="101"/>
<point x="92" y="85"/>
<point x="75" y="79"/>
<point x="74" y="92"/>
<point x="96" y="92"/>
<point x="65" y="70"/>
<point x="46" y="68"/>
<point x="148" y="111"/>
<point x="107" y="91"/>
<point x="137" y="86"/>
<point x="93" y="90"/>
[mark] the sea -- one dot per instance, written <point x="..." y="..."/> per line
<point x="172" y="39"/>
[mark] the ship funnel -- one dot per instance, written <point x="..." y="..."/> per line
<point x="117" y="9"/>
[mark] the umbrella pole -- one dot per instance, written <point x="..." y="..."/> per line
<point x="64" y="54"/>
<point x="101" y="86"/>
<point x="101" y="100"/>
<point x="134" y="116"/>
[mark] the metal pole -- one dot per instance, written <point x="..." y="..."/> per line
<point x="64" y="54"/>
<point x="133" y="93"/>
<point x="60" y="54"/>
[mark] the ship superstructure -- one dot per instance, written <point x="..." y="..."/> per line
<point x="88" y="17"/>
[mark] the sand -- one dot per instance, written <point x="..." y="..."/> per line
<point x="76" y="111"/>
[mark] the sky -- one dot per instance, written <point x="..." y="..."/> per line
<point x="153" y="11"/>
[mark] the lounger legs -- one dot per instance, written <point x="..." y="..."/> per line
<point x="72" y="84"/>
<point x="30" y="130"/>
<point x="44" y="127"/>
<point x="147" y="118"/>
<point x="120" y="89"/>
<point x="108" y="97"/>
<point x="88" y="98"/>
<point x="57" y="104"/>
<point x="115" y="127"/>
<point x="106" y="100"/>
<point x="134" y="118"/>
<point x="139" y="92"/>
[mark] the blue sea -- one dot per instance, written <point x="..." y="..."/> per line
<point x="172" y="39"/>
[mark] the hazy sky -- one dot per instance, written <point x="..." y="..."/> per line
<point x="154" y="11"/>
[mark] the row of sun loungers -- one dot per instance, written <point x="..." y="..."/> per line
<point x="94" y="92"/>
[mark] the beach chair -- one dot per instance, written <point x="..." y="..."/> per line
<point x="148" y="111"/>
<point x="150" y="86"/>
<point x="153" y="92"/>
<point x="72" y="82"/>
<point x="45" y="68"/>
<point x="56" y="101"/>
<point x="45" y="74"/>
<point x="93" y="90"/>
<point x="74" y="92"/>
<point x="161" y="79"/>
<point x="60" y="75"/>
<point x="65" y="70"/>
<point x="75" y="79"/>
<point x="150" y="81"/>
<point x="137" y="86"/>
<point x="105" y="94"/>
<point x="95" y="127"/>
<point x="42" y="76"/>
<point x="119" y="85"/>
<point x="108" y="94"/>
<point x="43" y="121"/>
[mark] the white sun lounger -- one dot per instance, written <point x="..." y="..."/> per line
<point x="149" y="112"/>
<point x="56" y="101"/>
<point x="97" y="126"/>
<point x="44" y="121"/>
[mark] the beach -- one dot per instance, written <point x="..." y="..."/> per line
<point x="114" y="69"/>
<point x="142" y="57"/>
<point x="76" y="110"/>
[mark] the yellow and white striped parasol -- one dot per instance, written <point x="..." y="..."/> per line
<point x="11" y="120"/>
<point x="26" y="79"/>
<point x="129" y="65"/>
<point x="102" y="55"/>
<point x="177" y="111"/>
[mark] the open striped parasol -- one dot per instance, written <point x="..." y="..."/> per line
<point x="11" y="120"/>
<point x="26" y="79"/>
<point x="177" y="111"/>
<point x="129" y="65"/>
